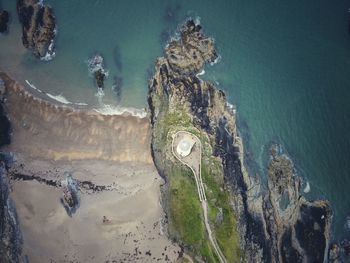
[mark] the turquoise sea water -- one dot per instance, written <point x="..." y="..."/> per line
<point x="285" y="64"/>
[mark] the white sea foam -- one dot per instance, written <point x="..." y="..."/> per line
<point x="50" y="54"/>
<point x="197" y="20"/>
<point x="32" y="86"/>
<point x="106" y="109"/>
<point x="95" y="64"/>
<point x="347" y="223"/>
<point x="201" y="73"/>
<point x="59" y="98"/>
<point x="307" y="188"/>
<point x="217" y="60"/>
<point x="231" y="107"/>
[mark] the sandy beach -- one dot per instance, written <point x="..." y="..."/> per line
<point x="50" y="141"/>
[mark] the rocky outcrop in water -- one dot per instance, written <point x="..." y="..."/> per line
<point x="298" y="230"/>
<point x="277" y="225"/>
<point x="96" y="67"/>
<point x="38" y="26"/>
<point x="4" y="19"/>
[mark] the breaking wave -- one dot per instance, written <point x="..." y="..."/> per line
<point x="217" y="60"/>
<point x="95" y="64"/>
<point x="33" y="86"/>
<point x="307" y="188"/>
<point x="106" y="109"/>
<point x="201" y="73"/>
<point x="60" y="98"/>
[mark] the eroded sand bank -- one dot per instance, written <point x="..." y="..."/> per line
<point x="113" y="151"/>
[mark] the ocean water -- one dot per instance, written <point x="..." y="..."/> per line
<point x="285" y="64"/>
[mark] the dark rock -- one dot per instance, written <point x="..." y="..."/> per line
<point x="96" y="68"/>
<point x="38" y="26"/>
<point x="10" y="233"/>
<point x="5" y="125"/>
<point x="100" y="78"/>
<point x="4" y="19"/>
<point x="345" y="245"/>
<point x="70" y="199"/>
<point x="188" y="54"/>
<point x="334" y="253"/>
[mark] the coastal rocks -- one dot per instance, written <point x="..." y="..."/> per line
<point x="189" y="53"/>
<point x="70" y="199"/>
<point x="4" y="19"/>
<point x="96" y="68"/>
<point x="39" y="28"/>
<point x="298" y="230"/>
<point x="100" y="78"/>
<point x="277" y="225"/>
<point x="10" y="234"/>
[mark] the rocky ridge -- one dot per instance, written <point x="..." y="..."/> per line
<point x="38" y="26"/>
<point x="277" y="225"/>
<point x="4" y="19"/>
<point x="10" y="234"/>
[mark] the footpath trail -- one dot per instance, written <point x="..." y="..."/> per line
<point x="187" y="148"/>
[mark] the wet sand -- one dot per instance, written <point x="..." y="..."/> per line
<point x="113" y="151"/>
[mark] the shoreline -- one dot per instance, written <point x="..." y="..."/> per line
<point x="105" y="109"/>
<point x="119" y="216"/>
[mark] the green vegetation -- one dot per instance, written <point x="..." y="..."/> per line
<point x="225" y="229"/>
<point x="184" y="209"/>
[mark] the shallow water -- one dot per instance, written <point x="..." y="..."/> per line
<point x="286" y="64"/>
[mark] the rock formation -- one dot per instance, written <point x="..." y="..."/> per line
<point x="298" y="230"/>
<point x="4" y="122"/>
<point x="277" y="225"/>
<point x="10" y="234"/>
<point x="39" y="28"/>
<point x="4" y="19"/>
<point x="96" y="67"/>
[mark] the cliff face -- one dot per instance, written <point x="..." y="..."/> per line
<point x="10" y="235"/>
<point x="276" y="226"/>
<point x="38" y="25"/>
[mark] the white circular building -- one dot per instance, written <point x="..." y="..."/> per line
<point x="185" y="146"/>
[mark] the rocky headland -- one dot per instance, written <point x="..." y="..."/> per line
<point x="116" y="185"/>
<point x="250" y="224"/>
<point x="38" y="26"/>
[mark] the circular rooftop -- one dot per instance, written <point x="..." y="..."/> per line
<point x="184" y="147"/>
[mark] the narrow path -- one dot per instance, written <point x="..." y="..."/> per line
<point x="194" y="164"/>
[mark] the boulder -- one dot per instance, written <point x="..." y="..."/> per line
<point x="4" y="19"/>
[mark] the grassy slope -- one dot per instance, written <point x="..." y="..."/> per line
<point x="184" y="208"/>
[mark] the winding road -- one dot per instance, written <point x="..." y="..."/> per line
<point x="193" y="160"/>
